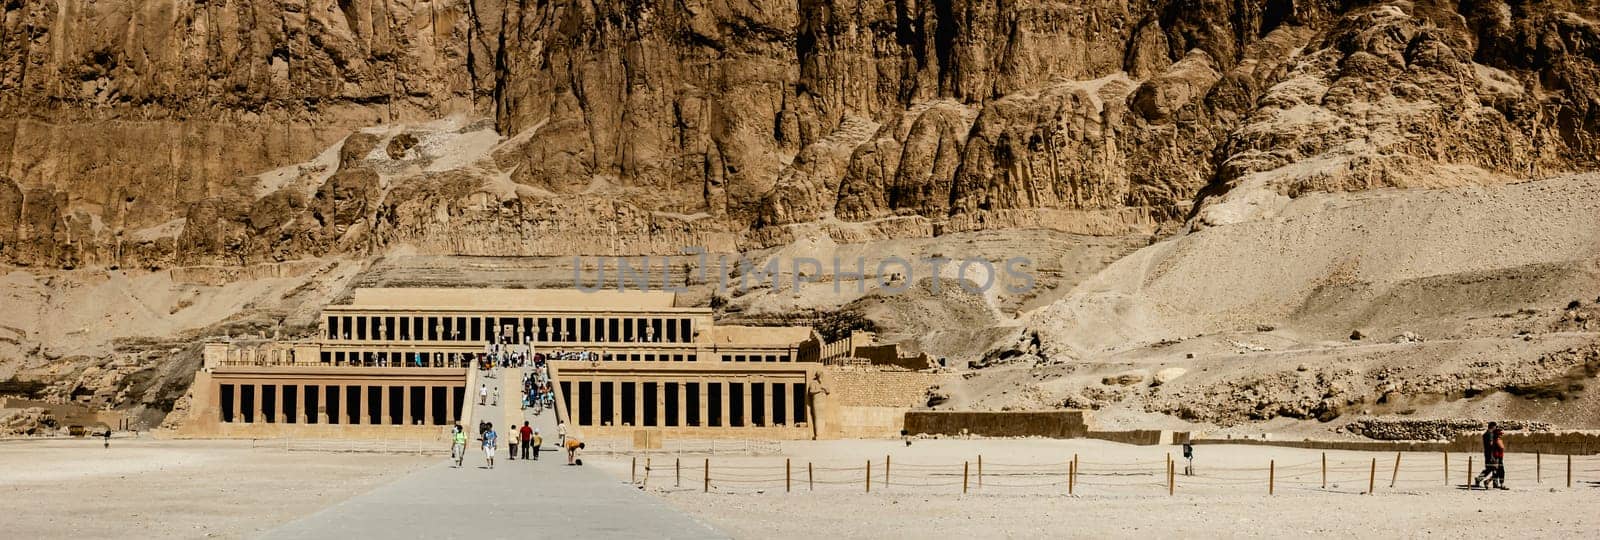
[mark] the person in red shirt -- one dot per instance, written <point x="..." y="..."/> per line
<point x="527" y="439"/>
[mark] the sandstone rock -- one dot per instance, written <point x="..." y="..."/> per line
<point x="1098" y="117"/>
<point x="1167" y="375"/>
<point x="1125" y="379"/>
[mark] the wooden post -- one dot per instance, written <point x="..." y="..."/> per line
<point x="1372" y="476"/>
<point x="786" y="476"/>
<point x="1272" y="475"/>
<point x="1469" y="469"/>
<point x="1447" y="467"/>
<point x="1396" y="474"/>
<point x="1569" y="470"/>
<point x="965" y="465"/>
<point x="885" y="469"/>
<point x="708" y="475"/>
<point x="646" y="473"/>
<point x="1169" y="476"/>
<point x="869" y="476"/>
<point x="1324" y="470"/>
<point x="633" y="470"/>
<point x="1072" y="475"/>
<point x="677" y="472"/>
<point x="1538" y="467"/>
<point x="811" y="479"/>
<point x="980" y="471"/>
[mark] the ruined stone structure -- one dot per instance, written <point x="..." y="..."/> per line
<point x="401" y="360"/>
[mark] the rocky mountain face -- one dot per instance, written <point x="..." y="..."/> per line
<point x="153" y="133"/>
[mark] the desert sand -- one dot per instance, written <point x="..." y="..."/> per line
<point x="143" y="488"/>
<point x="1120" y="491"/>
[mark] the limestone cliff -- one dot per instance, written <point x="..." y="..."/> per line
<point x="170" y="132"/>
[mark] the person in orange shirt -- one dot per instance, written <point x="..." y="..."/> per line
<point x="573" y="446"/>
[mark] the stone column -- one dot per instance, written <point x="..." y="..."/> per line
<point x="279" y="408"/>
<point x="361" y="404"/>
<point x="384" y="416"/>
<point x="726" y="420"/>
<point x="661" y="403"/>
<point x="303" y="416"/>
<point x="683" y="403"/>
<point x="238" y="403"/>
<point x="770" y="417"/>
<point x="322" y="404"/>
<point x="616" y="403"/>
<point x="704" y="406"/>
<point x="405" y="404"/>
<point x="638" y="403"/>
<point x="745" y="399"/>
<point x="594" y="403"/>
<point x="256" y="404"/>
<point x="449" y="405"/>
<point x="427" y="405"/>
<point x="577" y="411"/>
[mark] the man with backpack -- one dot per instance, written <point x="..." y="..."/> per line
<point x="538" y="441"/>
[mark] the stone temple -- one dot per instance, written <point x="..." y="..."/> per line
<point x="398" y="363"/>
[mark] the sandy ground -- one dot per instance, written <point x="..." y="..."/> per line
<point x="68" y="488"/>
<point x="1120" y="491"/>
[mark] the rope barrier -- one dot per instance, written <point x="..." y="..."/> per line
<point x="1111" y="477"/>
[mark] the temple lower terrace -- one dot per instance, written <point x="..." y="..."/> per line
<point x="398" y="363"/>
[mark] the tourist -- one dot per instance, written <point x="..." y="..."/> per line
<point x="483" y="393"/>
<point x="573" y="446"/>
<point x="1188" y="454"/>
<point x="489" y="440"/>
<point x="527" y="439"/>
<point x="561" y="433"/>
<point x="538" y="441"/>
<point x="1494" y="453"/>
<point x="458" y="446"/>
<point x="108" y="438"/>
<point x="511" y="445"/>
<point x="496" y="402"/>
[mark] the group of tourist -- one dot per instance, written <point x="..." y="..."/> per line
<point x="536" y="387"/>
<point x="525" y="442"/>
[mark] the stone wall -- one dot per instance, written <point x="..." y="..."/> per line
<point x="1432" y="429"/>
<point x="864" y="387"/>
<point x="1052" y="424"/>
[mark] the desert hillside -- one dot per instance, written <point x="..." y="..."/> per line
<point x="1242" y="215"/>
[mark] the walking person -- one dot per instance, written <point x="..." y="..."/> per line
<point x="108" y="438"/>
<point x="561" y="433"/>
<point x="496" y="402"/>
<point x="1494" y="454"/>
<point x="1188" y="454"/>
<point x="538" y="441"/>
<point x="458" y="445"/>
<point x="527" y="439"/>
<point x="483" y="393"/>
<point x="512" y="443"/>
<point x="489" y="440"/>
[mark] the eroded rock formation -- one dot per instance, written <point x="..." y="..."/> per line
<point x="169" y="132"/>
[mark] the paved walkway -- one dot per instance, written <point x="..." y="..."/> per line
<point x="521" y="499"/>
